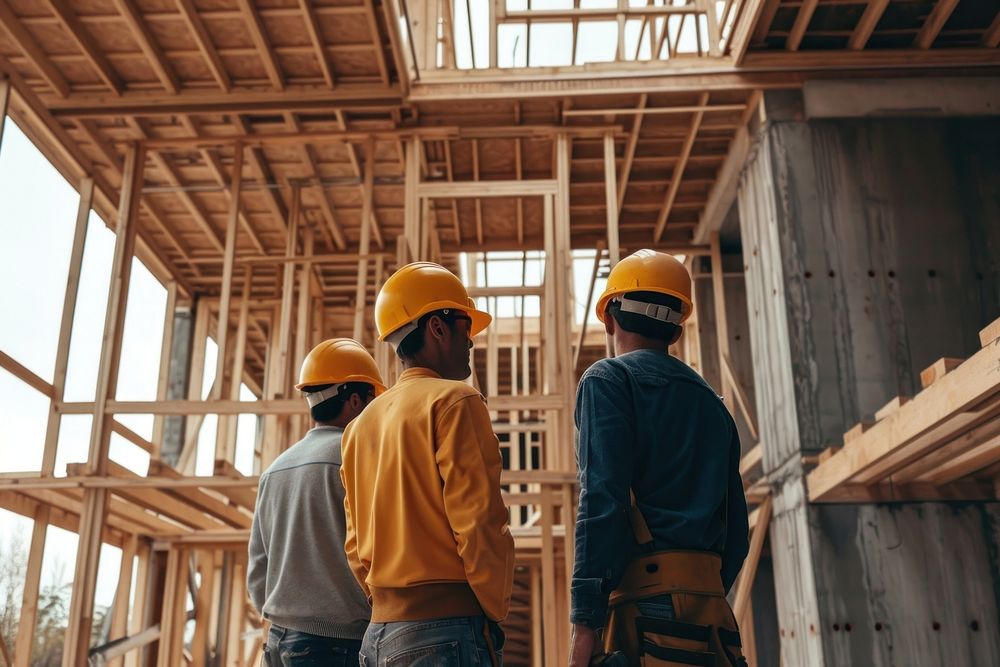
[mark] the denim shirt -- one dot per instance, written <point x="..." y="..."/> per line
<point x="649" y="423"/>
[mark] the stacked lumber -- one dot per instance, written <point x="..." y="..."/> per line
<point x="943" y="444"/>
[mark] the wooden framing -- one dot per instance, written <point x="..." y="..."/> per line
<point x="209" y="163"/>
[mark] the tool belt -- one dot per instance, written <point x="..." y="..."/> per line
<point x="703" y="630"/>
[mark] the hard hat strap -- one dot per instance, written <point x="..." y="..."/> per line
<point x="397" y="336"/>
<point x="314" y="398"/>
<point x="654" y="311"/>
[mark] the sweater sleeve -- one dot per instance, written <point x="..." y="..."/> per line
<point x="737" y="522"/>
<point x="257" y="558"/>
<point x="468" y="459"/>
<point x="358" y="567"/>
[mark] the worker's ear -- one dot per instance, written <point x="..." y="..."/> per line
<point x="677" y="335"/>
<point x="436" y="327"/>
<point x="609" y="324"/>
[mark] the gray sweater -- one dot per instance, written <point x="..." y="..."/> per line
<point x="297" y="575"/>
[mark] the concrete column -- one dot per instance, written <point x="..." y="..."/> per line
<point x="871" y="249"/>
<point x="177" y="388"/>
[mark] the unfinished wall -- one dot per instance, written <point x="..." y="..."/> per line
<point x="871" y="248"/>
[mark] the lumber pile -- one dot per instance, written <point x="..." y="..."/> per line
<point x="943" y="444"/>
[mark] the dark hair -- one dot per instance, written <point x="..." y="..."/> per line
<point x="331" y="408"/>
<point x="410" y="346"/>
<point x="647" y="326"/>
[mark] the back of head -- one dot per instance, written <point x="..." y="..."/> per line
<point x="648" y="293"/>
<point x="335" y="370"/>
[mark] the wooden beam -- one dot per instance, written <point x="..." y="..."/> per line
<point x="629" y="158"/>
<point x="29" y="597"/>
<point x="932" y="26"/>
<point x="741" y="397"/>
<point x="148" y="44"/>
<point x="35" y="54"/>
<point x="376" y="37"/>
<point x="653" y="111"/>
<point x="677" y="174"/>
<point x="222" y="331"/>
<point x="991" y="38"/>
<point x="361" y="291"/>
<point x="25" y="374"/>
<point x="741" y="600"/>
<point x="473" y="190"/>
<point x="92" y="51"/>
<point x="746" y="25"/>
<point x="258" y="33"/>
<point x="802" y="19"/>
<point x="866" y="26"/>
<point x="203" y="40"/>
<point x="478" y="202"/>
<point x="319" y="45"/>
<point x="586" y="309"/>
<point x="610" y="204"/>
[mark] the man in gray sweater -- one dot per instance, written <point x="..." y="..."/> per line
<point x="297" y="575"/>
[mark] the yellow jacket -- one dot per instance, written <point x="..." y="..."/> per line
<point x="427" y="532"/>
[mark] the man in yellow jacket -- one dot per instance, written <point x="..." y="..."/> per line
<point x="427" y="533"/>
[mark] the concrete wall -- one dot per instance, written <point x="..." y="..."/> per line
<point x="871" y="247"/>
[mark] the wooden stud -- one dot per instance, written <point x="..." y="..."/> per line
<point x="312" y="27"/>
<point x="204" y="43"/>
<point x="258" y="34"/>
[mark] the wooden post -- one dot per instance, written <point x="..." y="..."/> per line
<point x="29" y="605"/>
<point x="138" y="621"/>
<point x="95" y="499"/>
<point x="225" y="298"/>
<point x="4" y="102"/>
<point x="721" y="326"/>
<point x="239" y="359"/>
<point x="611" y="198"/>
<point x="361" y="291"/>
<point x="536" y="615"/>
<point x="411" y="199"/>
<point x="119" y="617"/>
<point x="550" y="617"/>
<point x="302" y="342"/>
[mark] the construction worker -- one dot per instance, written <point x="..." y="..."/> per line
<point x="297" y="574"/>
<point x="662" y="526"/>
<point x="427" y="533"/>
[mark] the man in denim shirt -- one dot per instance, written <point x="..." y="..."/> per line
<point x="650" y="428"/>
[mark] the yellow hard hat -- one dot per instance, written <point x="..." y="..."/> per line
<point x="420" y="288"/>
<point x="649" y="271"/>
<point x="337" y="361"/>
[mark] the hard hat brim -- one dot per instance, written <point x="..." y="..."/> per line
<point x="480" y="319"/>
<point x="379" y="387"/>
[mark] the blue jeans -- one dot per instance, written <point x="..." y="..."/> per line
<point x="459" y="641"/>
<point x="291" y="648"/>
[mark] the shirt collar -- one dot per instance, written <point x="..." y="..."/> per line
<point x="418" y="372"/>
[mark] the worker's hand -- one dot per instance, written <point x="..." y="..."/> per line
<point x="582" y="645"/>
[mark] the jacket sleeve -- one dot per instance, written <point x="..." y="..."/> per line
<point x="468" y="459"/>
<point x="358" y="567"/>
<point x="737" y="521"/>
<point x="605" y="459"/>
<point x="257" y="558"/>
